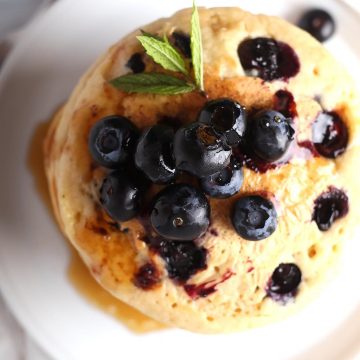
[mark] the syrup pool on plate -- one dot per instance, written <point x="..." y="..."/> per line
<point x="81" y="279"/>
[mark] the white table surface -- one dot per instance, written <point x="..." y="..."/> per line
<point x="15" y="344"/>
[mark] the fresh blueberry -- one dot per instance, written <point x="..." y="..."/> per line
<point x="329" y="207"/>
<point x="270" y="135"/>
<point x="182" y="42"/>
<point x="228" y="119"/>
<point x="180" y="212"/>
<point x="154" y="155"/>
<point x="319" y="23"/>
<point x="136" y="63"/>
<point x="112" y="141"/>
<point x="121" y="194"/>
<point x="225" y="183"/>
<point x="285" y="279"/>
<point x="268" y="59"/>
<point x="330" y="135"/>
<point x="199" y="151"/>
<point x="254" y="217"/>
<point x="182" y="258"/>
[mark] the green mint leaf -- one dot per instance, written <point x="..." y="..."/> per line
<point x="163" y="53"/>
<point x="166" y="40"/>
<point x="196" y="48"/>
<point x="145" y="33"/>
<point x="152" y="83"/>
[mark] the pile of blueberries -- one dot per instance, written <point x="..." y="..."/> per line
<point x="180" y="212"/>
<point x="203" y="149"/>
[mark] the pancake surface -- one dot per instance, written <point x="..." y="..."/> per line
<point x="240" y="269"/>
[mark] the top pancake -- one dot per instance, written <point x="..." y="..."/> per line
<point x="113" y="256"/>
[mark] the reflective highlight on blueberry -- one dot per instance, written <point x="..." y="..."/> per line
<point x="270" y="134"/>
<point x="199" y="150"/>
<point x="228" y="119"/>
<point x="319" y="23"/>
<point x="330" y="135"/>
<point x="112" y="141"/>
<point x="285" y="279"/>
<point x="329" y="207"/>
<point x="182" y="42"/>
<point x="121" y="194"/>
<point x="254" y="217"/>
<point x="180" y="212"/>
<point x="268" y="59"/>
<point x="154" y="154"/>
<point x="225" y="183"/>
<point x="136" y="63"/>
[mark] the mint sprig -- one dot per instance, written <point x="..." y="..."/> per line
<point x="163" y="53"/>
<point x="152" y="83"/>
<point x="196" y="48"/>
<point x="166" y="55"/>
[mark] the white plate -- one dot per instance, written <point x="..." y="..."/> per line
<point x="34" y="258"/>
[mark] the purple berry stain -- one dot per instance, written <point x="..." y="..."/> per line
<point x="207" y="288"/>
<point x="147" y="277"/>
<point x="309" y="147"/>
<point x="284" y="103"/>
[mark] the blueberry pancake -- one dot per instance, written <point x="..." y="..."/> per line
<point x="216" y="210"/>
